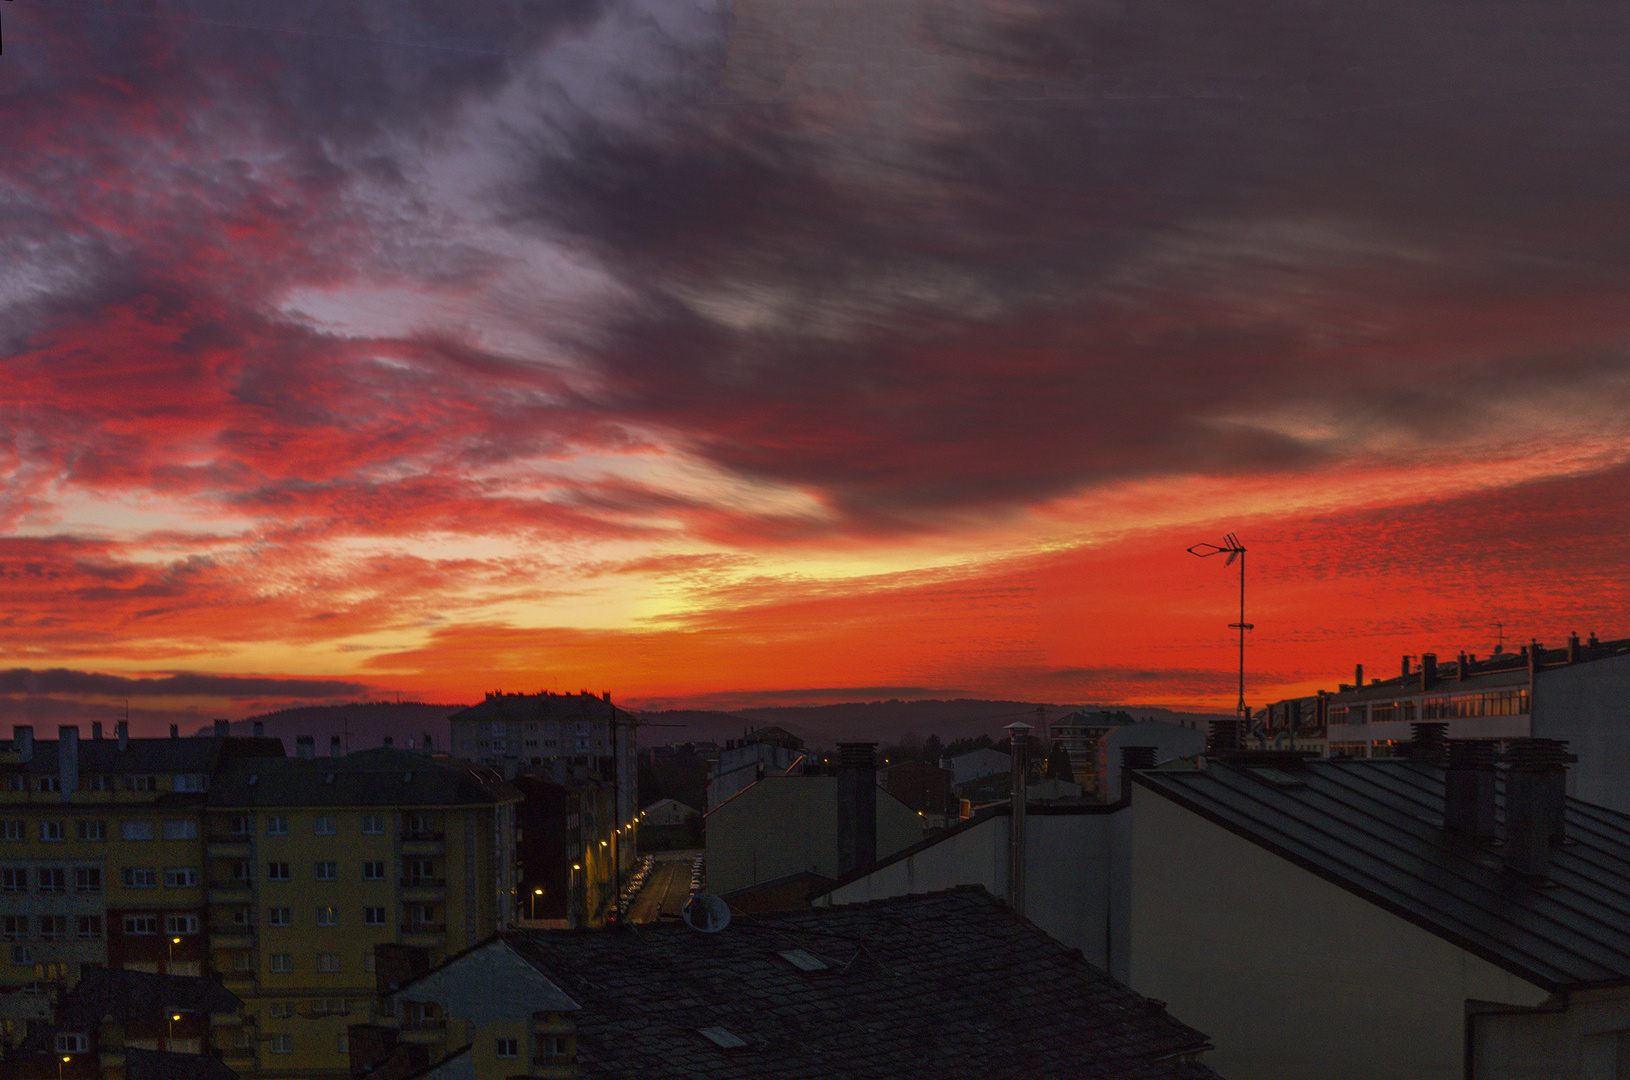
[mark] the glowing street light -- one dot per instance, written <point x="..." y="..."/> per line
<point x="1235" y="550"/>
<point x="170" y="1042"/>
<point x="170" y="967"/>
<point x="535" y="894"/>
<point x="60" y="1064"/>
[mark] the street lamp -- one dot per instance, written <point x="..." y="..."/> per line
<point x="169" y="1043"/>
<point x="1235" y="550"/>
<point x="169" y="968"/>
<point x="60" y="1064"/>
<point x="535" y="894"/>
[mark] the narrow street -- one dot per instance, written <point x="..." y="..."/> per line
<point x="666" y="889"/>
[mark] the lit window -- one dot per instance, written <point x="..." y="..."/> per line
<point x="328" y="916"/>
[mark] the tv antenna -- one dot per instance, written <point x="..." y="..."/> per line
<point x="1235" y="550"/>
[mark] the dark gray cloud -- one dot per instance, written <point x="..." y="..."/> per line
<point x="59" y="681"/>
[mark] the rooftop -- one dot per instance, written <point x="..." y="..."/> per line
<point x="543" y="706"/>
<point x="943" y="984"/>
<point x="1375" y="828"/>
<point x="383" y="776"/>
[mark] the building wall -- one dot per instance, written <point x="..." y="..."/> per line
<point x="787" y="824"/>
<point x="742" y="765"/>
<point x="1289" y="975"/>
<point x="1589" y="705"/>
<point x="975" y="764"/>
<point x="1589" y="1040"/>
<point x="1169" y="740"/>
<point x="1067" y="873"/>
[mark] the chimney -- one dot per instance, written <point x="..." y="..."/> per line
<point x="1535" y="800"/>
<point x="305" y="747"/>
<point x="1134" y="757"/>
<point x="1573" y="647"/>
<point x="1225" y="735"/>
<point x="1404" y="673"/>
<point x="68" y="759"/>
<point x="1460" y="671"/>
<point x="1358" y="676"/>
<point x="1468" y="788"/>
<point x="96" y="729"/>
<point x="1429" y="741"/>
<point x="334" y="746"/>
<point x="1019" y="746"/>
<point x="22" y="741"/>
<point x="857" y="806"/>
<point x="388" y="740"/>
<point x="223" y="728"/>
<point x="1535" y="651"/>
<point x="175" y="732"/>
<point x="606" y="695"/>
<point x="1429" y="670"/>
<point x="260" y="729"/>
<point x="124" y="733"/>
<point x="425" y="742"/>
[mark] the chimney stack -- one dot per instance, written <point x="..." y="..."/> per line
<point x="334" y="746"/>
<point x="1468" y="788"/>
<point x="388" y="740"/>
<point x="1573" y="647"/>
<point x="223" y="728"/>
<point x="1535" y="801"/>
<point x="305" y="747"/>
<point x="175" y="731"/>
<point x="1019" y="747"/>
<point x="22" y="741"/>
<point x="857" y="806"/>
<point x="1225" y="735"/>
<point x="1404" y="673"/>
<point x="124" y="733"/>
<point x="426" y="743"/>
<point x="1429" y="670"/>
<point x="1535" y="650"/>
<point x="68" y="759"/>
<point x="96" y="729"/>
<point x="260" y="729"/>
<point x="1429" y="741"/>
<point x="1358" y="676"/>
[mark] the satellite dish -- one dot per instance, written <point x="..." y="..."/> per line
<point x="705" y="912"/>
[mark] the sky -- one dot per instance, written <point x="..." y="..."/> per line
<point x="717" y="353"/>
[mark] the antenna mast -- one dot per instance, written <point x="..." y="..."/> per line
<point x="1235" y="550"/>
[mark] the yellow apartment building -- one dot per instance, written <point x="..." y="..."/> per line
<point x="311" y="862"/>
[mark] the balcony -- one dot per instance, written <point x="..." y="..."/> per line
<point x="424" y="883"/>
<point x="425" y="1032"/>
<point x="423" y="929"/>
<point x="423" y="836"/>
<point x="227" y="847"/>
<point x="235" y="891"/>
<point x="232" y="937"/>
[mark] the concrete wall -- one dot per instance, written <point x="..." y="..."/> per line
<point x="975" y="764"/>
<point x="1590" y="1040"/>
<point x="1169" y="740"/>
<point x="787" y="824"/>
<point x="1067" y="869"/>
<point x="1291" y="976"/>
<point x="1589" y="705"/>
<point x="738" y="768"/>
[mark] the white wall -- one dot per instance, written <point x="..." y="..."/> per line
<point x="1589" y="705"/>
<point x="1590" y="1040"/>
<point x="1291" y="976"/>
<point x="975" y="764"/>
<point x="1169" y="740"/>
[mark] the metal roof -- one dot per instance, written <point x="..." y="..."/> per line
<point x="1375" y="828"/>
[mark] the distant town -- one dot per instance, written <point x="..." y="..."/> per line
<point x="549" y="885"/>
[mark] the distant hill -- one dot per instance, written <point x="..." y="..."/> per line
<point x="359" y="725"/>
<point x="880" y="721"/>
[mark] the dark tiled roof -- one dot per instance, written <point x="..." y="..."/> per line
<point x="139" y="996"/>
<point x="161" y="1065"/>
<point x="543" y="707"/>
<point x="380" y="777"/>
<point x="943" y="985"/>
<point x="1376" y="829"/>
<point x="198" y="754"/>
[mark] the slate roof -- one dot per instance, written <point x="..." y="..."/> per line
<point x="139" y="996"/>
<point x="543" y="706"/>
<point x="162" y="1065"/>
<point x="195" y="754"/>
<point x="1375" y="828"/>
<point x="943" y="985"/>
<point x="383" y="776"/>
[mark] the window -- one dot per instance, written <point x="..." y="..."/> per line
<point x="95" y="782"/>
<point x="13" y="829"/>
<point x="72" y="1042"/>
<point x="141" y="783"/>
<point x="51" y="783"/>
<point x="282" y="962"/>
<point x="53" y="927"/>
<point x="180" y="877"/>
<point x="277" y="871"/>
<point x="240" y="825"/>
<point x="328" y="871"/>
<point x="93" y="830"/>
<point x="89" y="927"/>
<point x="13" y="879"/>
<point x="186" y="829"/>
<point x="22" y="954"/>
<point x="136" y="830"/>
<point x="328" y="916"/>
<point x="51" y="830"/>
<point x="180" y="924"/>
<point x="344" y="1042"/>
<point x="280" y="1010"/>
<point x="139" y="877"/>
<point x="243" y="917"/>
<point x="373" y="871"/>
<point x="240" y="870"/>
<point x="328" y="961"/>
<point x="278" y="916"/>
<point x="368" y="961"/>
<point x="141" y="924"/>
<point x="507" y="1047"/>
<point x="373" y="824"/>
<point x="243" y="962"/>
<point x="191" y="782"/>
<point x="53" y="879"/>
<point x="88" y="879"/>
<point x="418" y="869"/>
<point x="277" y="825"/>
<point x="551" y="1046"/>
<point x="16" y="782"/>
<point x="323" y="825"/>
<point x="283" y="1042"/>
<point x="373" y="916"/>
<point x="13" y="927"/>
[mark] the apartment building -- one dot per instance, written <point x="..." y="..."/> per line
<point x="101" y="846"/>
<point x="311" y="862"/>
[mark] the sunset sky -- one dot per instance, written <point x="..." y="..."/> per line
<point x="784" y="351"/>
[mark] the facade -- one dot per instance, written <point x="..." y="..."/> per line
<point x="1094" y="738"/>
<point x="1456" y="934"/>
<point x="946" y="984"/>
<point x="743" y="762"/>
<point x="1577" y="693"/>
<point x="101" y="858"/>
<point x="923" y="786"/>
<point x="310" y="863"/>
<point x="976" y="764"/>
<point x="571" y="858"/>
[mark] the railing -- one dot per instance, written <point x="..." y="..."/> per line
<point x="424" y="883"/>
<point x="425" y="928"/>
<point x="422" y="836"/>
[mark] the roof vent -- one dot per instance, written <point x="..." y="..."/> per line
<point x="803" y="961"/>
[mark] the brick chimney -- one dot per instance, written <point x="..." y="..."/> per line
<point x="857" y="806"/>
<point x="1535" y="801"/>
